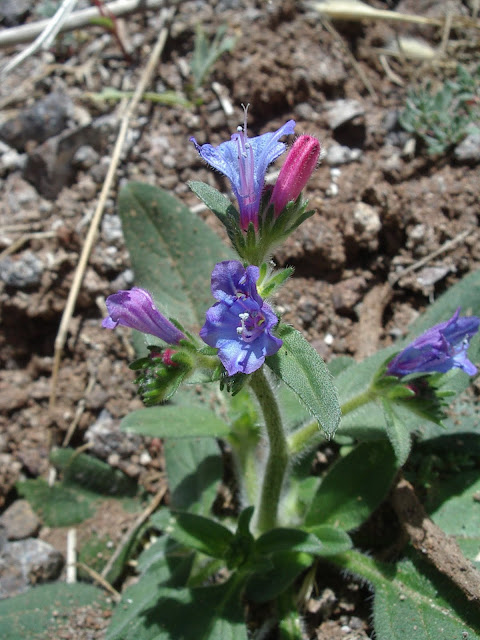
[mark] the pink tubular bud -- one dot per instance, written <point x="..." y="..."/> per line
<point x="295" y="173"/>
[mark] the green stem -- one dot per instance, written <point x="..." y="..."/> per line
<point x="247" y="471"/>
<point x="278" y="452"/>
<point x="310" y="435"/>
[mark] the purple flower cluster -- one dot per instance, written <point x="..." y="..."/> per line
<point x="439" y="349"/>
<point x="240" y="324"/>
<point x="136" y="309"/>
<point x="244" y="161"/>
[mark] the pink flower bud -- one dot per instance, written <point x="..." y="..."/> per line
<point x="299" y="165"/>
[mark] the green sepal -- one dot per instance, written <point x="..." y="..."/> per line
<point x="268" y="284"/>
<point x="234" y="384"/>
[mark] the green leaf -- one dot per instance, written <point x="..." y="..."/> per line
<point x="57" y="506"/>
<point x="301" y="368"/>
<point x="413" y="601"/>
<point x="38" y="613"/>
<point x="398" y="433"/>
<point x="161" y="565"/>
<point x="334" y="541"/>
<point x="283" y="539"/>
<point x="453" y="488"/>
<point x="200" y="533"/>
<point x="172" y="251"/>
<point x="205" y="613"/>
<point x="270" y="582"/>
<point x="175" y="422"/>
<point x="194" y="469"/>
<point x="354" y="487"/>
<point x="91" y="473"/>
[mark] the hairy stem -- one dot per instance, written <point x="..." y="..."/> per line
<point x="278" y="452"/>
<point x="310" y="434"/>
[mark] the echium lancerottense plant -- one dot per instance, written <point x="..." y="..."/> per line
<point x="286" y="517"/>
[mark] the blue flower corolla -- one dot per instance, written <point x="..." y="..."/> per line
<point x="136" y="309"/>
<point x="439" y="349"/>
<point x="244" y="161"/>
<point x="240" y="324"/>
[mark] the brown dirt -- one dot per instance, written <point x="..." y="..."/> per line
<point x="285" y="64"/>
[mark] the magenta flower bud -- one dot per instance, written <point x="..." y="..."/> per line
<point x="295" y="173"/>
<point x="136" y="309"/>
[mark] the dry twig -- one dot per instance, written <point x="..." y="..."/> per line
<point x="101" y="581"/>
<point x="45" y="38"/>
<point x="368" y="85"/>
<point x="28" y="32"/>
<point x="143" y="517"/>
<point x="433" y="543"/>
<point x="446" y="246"/>
<point x="95" y="222"/>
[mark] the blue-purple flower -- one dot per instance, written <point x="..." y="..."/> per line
<point x="240" y="324"/>
<point x="136" y="309"/>
<point x="439" y="349"/>
<point x="244" y="162"/>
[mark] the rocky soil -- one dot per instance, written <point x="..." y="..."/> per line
<point x="394" y="227"/>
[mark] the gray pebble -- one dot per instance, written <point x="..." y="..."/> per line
<point x="25" y="271"/>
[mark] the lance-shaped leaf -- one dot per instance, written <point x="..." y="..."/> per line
<point x="413" y="601"/>
<point x="303" y="370"/>
<point x="194" y="469"/>
<point x="354" y="487"/>
<point x="200" y="533"/>
<point x="283" y="539"/>
<point x="175" y="422"/>
<point x="172" y="251"/>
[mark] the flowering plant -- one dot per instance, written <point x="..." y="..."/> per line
<point x="274" y="403"/>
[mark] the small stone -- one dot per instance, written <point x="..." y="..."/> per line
<point x="27" y="562"/>
<point x="469" y="149"/>
<point x="87" y="188"/>
<point x="347" y="293"/>
<point x="13" y="12"/>
<point x="20" y="521"/>
<point x="45" y="119"/>
<point x="343" y="111"/>
<point x="11" y="160"/>
<point x="85" y="157"/>
<point x="112" y="229"/>
<point x="21" y="272"/>
<point x="346" y="118"/>
<point x="338" y="154"/>
<point x="123" y="281"/>
<point x="9" y="473"/>
<point x="362" y="230"/>
<point x="106" y="438"/>
<point x="429" y="276"/>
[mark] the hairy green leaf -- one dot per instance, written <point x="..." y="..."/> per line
<point x="302" y="369"/>
<point x="200" y="533"/>
<point x="413" y="601"/>
<point x="194" y="469"/>
<point x="354" y="487"/>
<point x="283" y="539"/>
<point x="175" y="422"/>
<point x="172" y="251"/>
